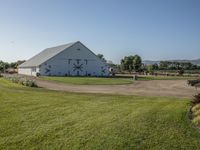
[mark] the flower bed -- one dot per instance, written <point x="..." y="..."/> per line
<point x="22" y="81"/>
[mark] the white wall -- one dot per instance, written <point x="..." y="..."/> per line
<point x="28" y="71"/>
<point x="59" y="65"/>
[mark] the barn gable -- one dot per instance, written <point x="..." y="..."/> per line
<point x="45" y="55"/>
<point x="73" y="59"/>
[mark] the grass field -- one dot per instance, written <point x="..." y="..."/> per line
<point x="164" y="78"/>
<point x="34" y="118"/>
<point x="109" y="81"/>
<point x="89" y="80"/>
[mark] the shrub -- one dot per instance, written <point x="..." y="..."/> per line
<point x="30" y="83"/>
<point x="1" y="75"/>
<point x="193" y="82"/>
<point x="181" y="72"/>
<point x="196" y="121"/>
<point x="15" y="79"/>
<point x="196" y="99"/>
<point x="22" y="81"/>
<point x="195" y="108"/>
<point x="196" y="113"/>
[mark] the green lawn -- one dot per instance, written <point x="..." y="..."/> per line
<point x="89" y="80"/>
<point x="108" y="81"/>
<point x="42" y="119"/>
<point x="164" y="78"/>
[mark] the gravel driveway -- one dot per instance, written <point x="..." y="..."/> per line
<point x="175" y="88"/>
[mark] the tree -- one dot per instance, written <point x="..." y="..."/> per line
<point x="130" y="63"/>
<point x="155" y="66"/>
<point x="137" y="63"/>
<point x="19" y="62"/>
<point x="127" y="63"/>
<point x="14" y="65"/>
<point x="164" y="65"/>
<point x="174" y="65"/>
<point x="3" y="66"/>
<point x="150" y="69"/>
<point x="101" y="56"/>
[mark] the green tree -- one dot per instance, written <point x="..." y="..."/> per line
<point x="137" y="63"/>
<point x="3" y="65"/>
<point x="101" y="56"/>
<point x="155" y="66"/>
<point x="150" y="69"/>
<point x="130" y="63"/>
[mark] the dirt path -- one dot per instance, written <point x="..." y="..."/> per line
<point x="175" y="88"/>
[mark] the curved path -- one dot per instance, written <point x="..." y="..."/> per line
<point x="175" y="88"/>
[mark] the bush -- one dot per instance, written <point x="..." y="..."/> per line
<point x="196" y="99"/>
<point x="1" y="75"/>
<point x="181" y="72"/>
<point x="196" y="113"/>
<point x="30" y="83"/>
<point x="193" y="82"/>
<point x="195" y="108"/>
<point x="196" y="121"/>
<point x="22" y="81"/>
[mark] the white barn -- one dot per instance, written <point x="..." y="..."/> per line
<point x="73" y="59"/>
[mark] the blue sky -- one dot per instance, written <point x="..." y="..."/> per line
<point x="154" y="29"/>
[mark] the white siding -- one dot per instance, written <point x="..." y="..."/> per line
<point x="75" y="61"/>
<point x="28" y="71"/>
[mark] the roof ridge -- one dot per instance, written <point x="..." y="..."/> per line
<point x="46" y="54"/>
<point x="71" y="43"/>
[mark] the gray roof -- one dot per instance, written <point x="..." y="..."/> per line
<point x="45" y="55"/>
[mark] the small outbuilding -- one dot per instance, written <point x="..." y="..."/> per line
<point x="73" y="59"/>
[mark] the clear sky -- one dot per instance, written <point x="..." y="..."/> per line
<point x="154" y="29"/>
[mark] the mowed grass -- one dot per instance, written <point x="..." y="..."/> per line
<point x="34" y="118"/>
<point x="89" y="80"/>
<point x="164" y="78"/>
<point x="108" y="81"/>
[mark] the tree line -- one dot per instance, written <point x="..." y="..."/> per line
<point x="173" y="65"/>
<point x="133" y="63"/>
<point x="6" y="65"/>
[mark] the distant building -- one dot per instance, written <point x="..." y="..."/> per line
<point x="73" y="59"/>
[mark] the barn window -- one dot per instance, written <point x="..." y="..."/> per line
<point x="78" y="49"/>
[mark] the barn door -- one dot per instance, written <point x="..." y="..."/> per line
<point x="78" y="67"/>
